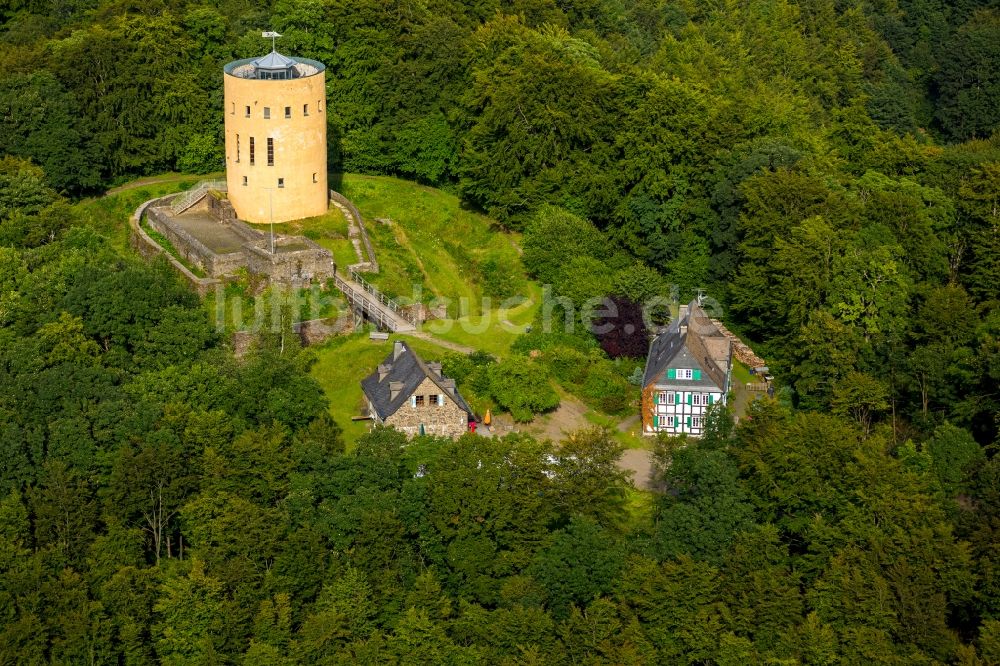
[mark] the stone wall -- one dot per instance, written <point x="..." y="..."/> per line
<point x="190" y="248"/>
<point x="309" y="264"/>
<point x="448" y="420"/>
<point x="305" y="266"/>
<point x="148" y="248"/>
<point x="246" y="232"/>
<point x="219" y="207"/>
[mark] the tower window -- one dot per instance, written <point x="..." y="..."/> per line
<point x="305" y="109"/>
<point x="314" y="177"/>
<point x="288" y="112"/>
<point x="281" y="182"/>
<point x="237" y="147"/>
<point x="251" y="151"/>
<point x="270" y="151"/>
<point x="267" y="112"/>
<point x="244" y="181"/>
<point x="319" y="105"/>
<point x="247" y="111"/>
<point x="233" y="112"/>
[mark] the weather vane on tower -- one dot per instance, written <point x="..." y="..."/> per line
<point x="273" y="35"/>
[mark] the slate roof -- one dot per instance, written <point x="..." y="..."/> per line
<point x="405" y="367"/>
<point x="700" y="345"/>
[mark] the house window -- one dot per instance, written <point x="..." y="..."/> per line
<point x="670" y="422"/>
<point x="251" y="151"/>
<point x="305" y="109"/>
<point x="670" y="397"/>
<point x="686" y="373"/>
<point x="695" y="421"/>
<point x="418" y="401"/>
<point x="288" y="112"/>
<point x="696" y="399"/>
<point x="247" y="112"/>
<point x="281" y="182"/>
<point x="440" y="400"/>
<point x="244" y="181"/>
<point x="270" y="151"/>
<point x="267" y="112"/>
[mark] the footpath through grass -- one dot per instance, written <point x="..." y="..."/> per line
<point x="109" y="215"/>
<point x="425" y="237"/>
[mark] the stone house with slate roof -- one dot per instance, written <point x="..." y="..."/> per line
<point x="688" y="370"/>
<point x="409" y="394"/>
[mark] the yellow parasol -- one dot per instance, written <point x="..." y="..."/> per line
<point x="487" y="419"/>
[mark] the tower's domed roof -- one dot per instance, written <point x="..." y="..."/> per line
<point x="274" y="61"/>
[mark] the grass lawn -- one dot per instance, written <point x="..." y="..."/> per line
<point x="429" y="240"/>
<point x="341" y="364"/>
<point x="330" y="231"/>
<point x="494" y="331"/>
<point x="171" y="250"/>
<point x="630" y="439"/>
<point x="639" y="505"/>
<point x="109" y="215"/>
<point x="741" y="374"/>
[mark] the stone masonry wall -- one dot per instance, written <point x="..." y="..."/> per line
<point x="449" y="420"/>
<point x="300" y="266"/>
<point x="149" y="248"/>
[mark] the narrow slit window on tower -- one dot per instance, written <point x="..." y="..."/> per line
<point x="281" y="182"/>
<point x="314" y="177"/>
<point x="305" y="109"/>
<point x="233" y="112"/>
<point x="237" y="147"/>
<point x="247" y="114"/>
<point x="267" y="112"/>
<point x="251" y="151"/>
<point x="319" y="105"/>
<point x="270" y="151"/>
<point x="288" y="112"/>
<point x="244" y="181"/>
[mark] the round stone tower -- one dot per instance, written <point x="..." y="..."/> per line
<point x="275" y="109"/>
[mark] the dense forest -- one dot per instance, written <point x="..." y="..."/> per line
<point x="828" y="170"/>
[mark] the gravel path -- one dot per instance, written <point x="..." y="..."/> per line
<point x="638" y="463"/>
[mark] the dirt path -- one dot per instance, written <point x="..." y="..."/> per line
<point x="154" y="180"/>
<point x="404" y="242"/>
<point x="638" y="463"/>
<point x="629" y="424"/>
<point x="566" y="418"/>
<point x="454" y="346"/>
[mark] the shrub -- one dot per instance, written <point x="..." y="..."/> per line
<point x="605" y="389"/>
<point x="624" y="334"/>
<point x="521" y="386"/>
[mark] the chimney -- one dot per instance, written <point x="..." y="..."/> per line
<point x="435" y="368"/>
<point x="397" y="349"/>
<point x="449" y="385"/>
<point x="394" y="389"/>
<point x="682" y="317"/>
<point x="383" y="370"/>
